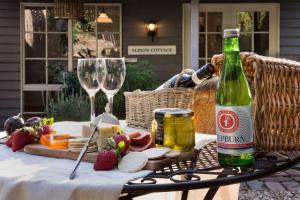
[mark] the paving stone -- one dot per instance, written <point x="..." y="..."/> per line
<point x="281" y="174"/>
<point x="256" y="185"/>
<point x="276" y="179"/>
<point x="275" y="186"/>
<point x="293" y="172"/>
<point x="296" y="178"/>
<point x="292" y="186"/>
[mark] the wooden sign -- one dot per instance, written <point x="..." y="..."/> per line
<point x="152" y="50"/>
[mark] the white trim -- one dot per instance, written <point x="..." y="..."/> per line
<point x="42" y="87"/>
<point x="70" y="45"/>
<point x="186" y="40"/>
<point x="194" y="27"/>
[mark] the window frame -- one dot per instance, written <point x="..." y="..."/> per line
<point x="51" y="87"/>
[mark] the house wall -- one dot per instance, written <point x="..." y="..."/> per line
<point x="167" y="13"/>
<point x="9" y="59"/>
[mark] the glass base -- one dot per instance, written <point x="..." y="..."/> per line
<point x="236" y="160"/>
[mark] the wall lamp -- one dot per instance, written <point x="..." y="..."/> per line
<point x="152" y="29"/>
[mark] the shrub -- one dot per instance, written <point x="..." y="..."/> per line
<point x="138" y="76"/>
<point x="73" y="107"/>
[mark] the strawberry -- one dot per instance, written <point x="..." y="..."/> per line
<point x="106" y="160"/>
<point x="120" y="138"/>
<point x="22" y="137"/>
<point x="19" y="140"/>
<point x="9" y="141"/>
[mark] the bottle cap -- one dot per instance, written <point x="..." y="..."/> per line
<point x="232" y="32"/>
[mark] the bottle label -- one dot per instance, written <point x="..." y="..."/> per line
<point x="234" y="129"/>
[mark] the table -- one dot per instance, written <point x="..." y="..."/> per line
<point x="185" y="176"/>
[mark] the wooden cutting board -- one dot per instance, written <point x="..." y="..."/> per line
<point x="42" y="150"/>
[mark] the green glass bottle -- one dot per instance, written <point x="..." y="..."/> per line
<point x="234" y="108"/>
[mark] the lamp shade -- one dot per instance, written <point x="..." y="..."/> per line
<point x="104" y="18"/>
<point x="70" y="9"/>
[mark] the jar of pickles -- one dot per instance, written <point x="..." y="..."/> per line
<point x="174" y="128"/>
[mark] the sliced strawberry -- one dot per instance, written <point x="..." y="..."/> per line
<point x="106" y="160"/>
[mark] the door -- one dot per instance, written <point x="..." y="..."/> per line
<point x="258" y="24"/>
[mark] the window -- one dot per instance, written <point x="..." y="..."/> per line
<point x="51" y="46"/>
<point x="258" y="23"/>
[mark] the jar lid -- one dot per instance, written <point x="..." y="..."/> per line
<point x="172" y="112"/>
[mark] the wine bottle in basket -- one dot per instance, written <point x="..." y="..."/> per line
<point x="233" y="108"/>
<point x="189" y="78"/>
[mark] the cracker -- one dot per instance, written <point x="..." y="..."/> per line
<point x="133" y="162"/>
<point x="172" y="154"/>
<point x="156" y="152"/>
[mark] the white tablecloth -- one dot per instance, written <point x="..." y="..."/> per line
<point x="24" y="176"/>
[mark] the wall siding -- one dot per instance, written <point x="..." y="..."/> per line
<point x="290" y="30"/>
<point x="167" y="13"/>
<point x="9" y="59"/>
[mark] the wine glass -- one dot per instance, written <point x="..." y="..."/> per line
<point x="91" y="74"/>
<point x="116" y="71"/>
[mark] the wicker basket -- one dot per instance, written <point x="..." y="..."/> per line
<point x="140" y="104"/>
<point x="277" y="118"/>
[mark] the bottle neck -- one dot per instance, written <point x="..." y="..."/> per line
<point x="231" y="44"/>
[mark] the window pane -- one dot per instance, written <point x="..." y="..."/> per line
<point x="109" y="44"/>
<point x="39" y="103"/>
<point x="202" y="22"/>
<point x="35" y="72"/>
<point x="112" y="12"/>
<point x="201" y="62"/>
<point x="55" y="69"/>
<point x="214" y="22"/>
<point x="202" y="46"/>
<point x="245" y="42"/>
<point x="35" y="19"/>
<point x="87" y="24"/>
<point x="56" y="25"/>
<point x="261" y="44"/>
<point x="261" y="21"/>
<point x="85" y="46"/>
<point x="57" y="45"/>
<point x="35" y="45"/>
<point x="214" y="44"/>
<point x="244" y="21"/>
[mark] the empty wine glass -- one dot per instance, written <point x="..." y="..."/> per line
<point x="116" y="71"/>
<point x="91" y="74"/>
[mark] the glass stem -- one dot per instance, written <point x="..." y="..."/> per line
<point x="93" y="115"/>
<point x="110" y="99"/>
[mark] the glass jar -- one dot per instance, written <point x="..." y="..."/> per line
<point x="174" y="128"/>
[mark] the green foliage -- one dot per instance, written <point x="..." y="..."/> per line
<point x="138" y="76"/>
<point x="72" y="107"/>
<point x="73" y="103"/>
